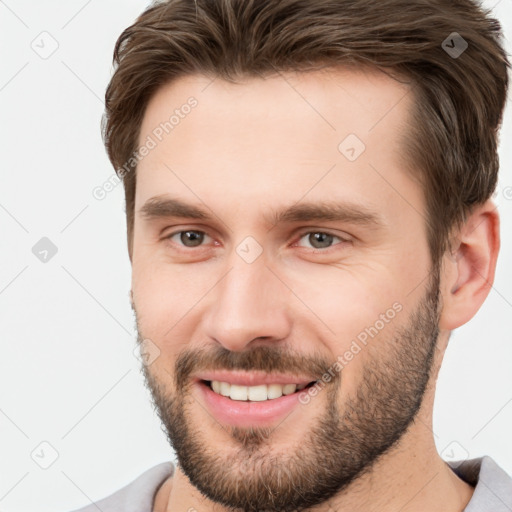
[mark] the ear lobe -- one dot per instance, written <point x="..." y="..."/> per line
<point x="469" y="270"/>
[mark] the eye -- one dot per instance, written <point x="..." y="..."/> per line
<point x="188" y="238"/>
<point x="319" y="239"/>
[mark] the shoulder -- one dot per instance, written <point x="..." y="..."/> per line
<point x="493" y="486"/>
<point x="137" y="496"/>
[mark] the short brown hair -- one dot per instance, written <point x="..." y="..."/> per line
<point x="459" y="99"/>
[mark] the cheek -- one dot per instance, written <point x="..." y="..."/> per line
<point x="169" y="301"/>
<point x="353" y="311"/>
<point x="345" y="299"/>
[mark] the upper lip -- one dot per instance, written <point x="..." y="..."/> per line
<point x="253" y="378"/>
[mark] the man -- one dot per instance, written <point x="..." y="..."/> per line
<point x="308" y="206"/>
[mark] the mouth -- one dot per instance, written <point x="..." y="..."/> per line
<point x="259" y="393"/>
<point x="250" y="406"/>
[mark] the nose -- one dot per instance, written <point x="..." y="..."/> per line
<point x="250" y="303"/>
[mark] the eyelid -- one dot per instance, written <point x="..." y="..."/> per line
<point x="344" y="237"/>
<point x="180" y="228"/>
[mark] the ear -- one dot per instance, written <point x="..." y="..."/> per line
<point x="468" y="268"/>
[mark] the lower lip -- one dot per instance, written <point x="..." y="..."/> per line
<point x="245" y="413"/>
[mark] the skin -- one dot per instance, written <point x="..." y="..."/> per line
<point x="260" y="146"/>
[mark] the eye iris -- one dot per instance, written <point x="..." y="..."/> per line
<point x="191" y="238"/>
<point x="320" y="240"/>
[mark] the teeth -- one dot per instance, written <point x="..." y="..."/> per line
<point x="288" y="389"/>
<point x="224" y="388"/>
<point x="238" y="392"/>
<point x="274" y="391"/>
<point x="254" y="393"/>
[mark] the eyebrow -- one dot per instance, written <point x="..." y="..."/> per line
<point x="161" y="207"/>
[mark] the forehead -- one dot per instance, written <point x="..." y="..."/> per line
<point x="331" y="101"/>
<point x="323" y="133"/>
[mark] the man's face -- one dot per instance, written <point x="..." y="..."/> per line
<point x="266" y="283"/>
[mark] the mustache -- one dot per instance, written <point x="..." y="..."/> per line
<point x="263" y="358"/>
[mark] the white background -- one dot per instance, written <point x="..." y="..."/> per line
<point x="68" y="375"/>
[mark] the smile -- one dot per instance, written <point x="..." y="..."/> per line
<point x="250" y="406"/>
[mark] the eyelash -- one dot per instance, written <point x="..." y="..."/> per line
<point x="300" y="236"/>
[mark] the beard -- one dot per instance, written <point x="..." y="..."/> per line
<point x="344" y="443"/>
